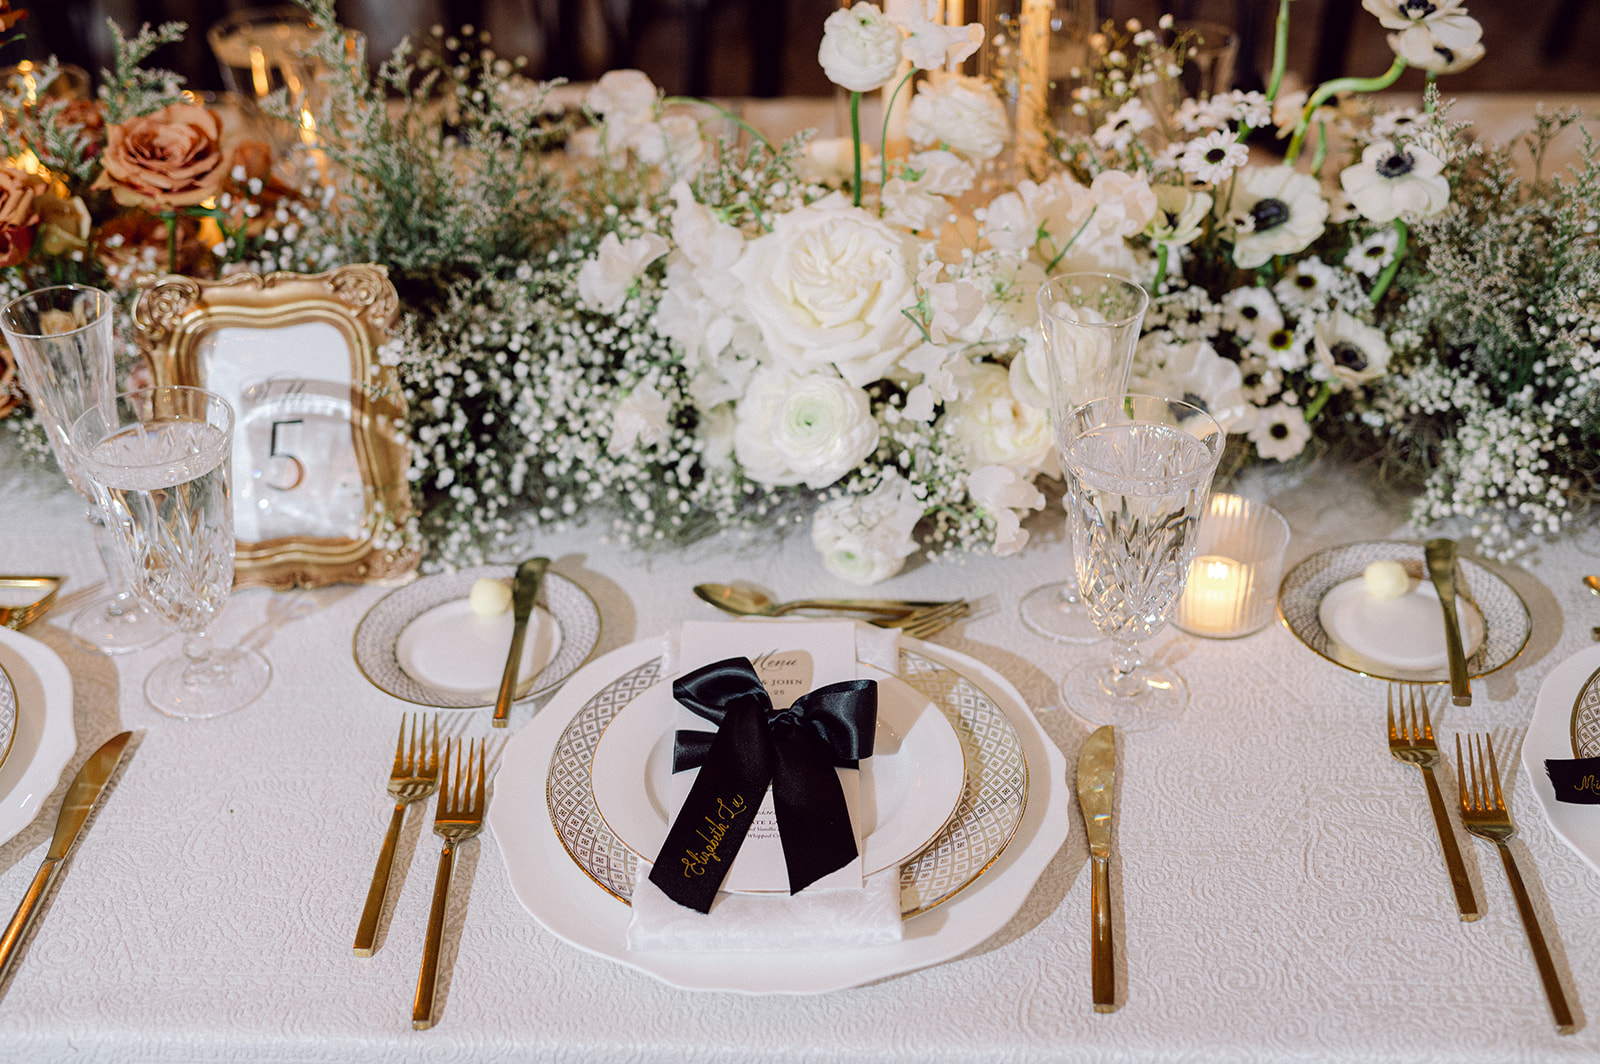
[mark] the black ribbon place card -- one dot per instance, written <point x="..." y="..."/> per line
<point x="1576" y="780"/>
<point x="794" y="751"/>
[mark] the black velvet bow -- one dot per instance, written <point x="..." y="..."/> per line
<point x="795" y="751"/>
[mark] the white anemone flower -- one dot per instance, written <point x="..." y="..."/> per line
<point x="1389" y="182"/>
<point x="1275" y="211"/>
<point x="1403" y="14"/>
<point x="1350" y="349"/>
<point x="1280" y="432"/>
<point x="1441" y="46"/>
<point x="1180" y="215"/>
<point x="1200" y="377"/>
<point x="1251" y="312"/>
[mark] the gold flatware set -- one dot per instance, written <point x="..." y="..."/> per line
<point x="918" y="618"/>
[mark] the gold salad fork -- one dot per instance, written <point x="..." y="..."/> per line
<point x="19" y="617"/>
<point x="1411" y="741"/>
<point x="414" y="776"/>
<point x="457" y="817"/>
<point x="1483" y="810"/>
<point x="922" y="623"/>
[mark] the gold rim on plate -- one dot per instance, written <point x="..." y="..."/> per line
<point x="8" y="714"/>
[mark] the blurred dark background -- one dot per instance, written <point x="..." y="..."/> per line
<point x="768" y="47"/>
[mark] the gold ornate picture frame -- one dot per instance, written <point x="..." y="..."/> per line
<point x="320" y="453"/>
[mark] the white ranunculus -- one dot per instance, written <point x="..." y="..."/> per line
<point x="860" y="48"/>
<point x="995" y="428"/>
<point x="1281" y="432"/>
<point x="866" y="540"/>
<point x="1353" y="351"/>
<point x="959" y="112"/>
<point x="808" y="430"/>
<point x="939" y="172"/>
<point x="641" y="418"/>
<point x="673" y="142"/>
<point x="828" y="287"/>
<point x="1007" y="496"/>
<point x="1389" y="182"/>
<point x="626" y="93"/>
<point x="1275" y="211"/>
<point x="604" y="280"/>
<point x="932" y="45"/>
<point x="1195" y="373"/>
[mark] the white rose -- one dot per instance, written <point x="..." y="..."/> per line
<point x="860" y="48"/>
<point x="961" y="112"/>
<point x="996" y="429"/>
<point x="866" y="540"/>
<point x="604" y="280"/>
<point x="827" y="287"/>
<point x="641" y="418"/>
<point x="810" y="430"/>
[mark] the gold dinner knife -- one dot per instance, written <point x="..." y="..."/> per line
<point x="1441" y="555"/>
<point x="86" y="787"/>
<point x="1097" y="778"/>
<point x="524" y="589"/>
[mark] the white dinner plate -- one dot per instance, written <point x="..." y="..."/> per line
<point x="1401" y="633"/>
<point x="964" y="908"/>
<point x="908" y="788"/>
<point x="422" y="642"/>
<point x="8" y="714"/>
<point x="1550" y="735"/>
<point x="44" y="739"/>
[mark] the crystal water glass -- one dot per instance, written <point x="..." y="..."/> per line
<point x="159" y="459"/>
<point x="1091" y="325"/>
<point x="1138" y="470"/>
<point x="61" y="340"/>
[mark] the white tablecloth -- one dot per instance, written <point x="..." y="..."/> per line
<point x="1281" y="895"/>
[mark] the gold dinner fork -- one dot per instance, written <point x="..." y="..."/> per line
<point x="414" y="776"/>
<point x="19" y="617"/>
<point x="1483" y="810"/>
<point x="1411" y="741"/>
<point x="457" y="817"/>
<point x="922" y="623"/>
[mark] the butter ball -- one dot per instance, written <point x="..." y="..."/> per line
<point x="1386" y="579"/>
<point x="490" y="598"/>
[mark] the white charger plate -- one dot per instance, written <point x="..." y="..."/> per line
<point x="8" y="714"/>
<point x="1550" y="735"/>
<point x="44" y="739"/>
<point x="566" y="899"/>
<point x="1402" y="633"/>
<point x="908" y="788"/>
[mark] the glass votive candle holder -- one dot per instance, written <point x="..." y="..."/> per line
<point x="1233" y="580"/>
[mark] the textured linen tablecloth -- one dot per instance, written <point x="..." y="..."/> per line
<point x="1280" y="891"/>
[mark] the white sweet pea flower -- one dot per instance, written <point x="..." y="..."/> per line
<point x="1389" y="182"/>
<point x="830" y="161"/>
<point x="622" y="93"/>
<point x="942" y="173"/>
<point x="914" y="199"/>
<point x="944" y="372"/>
<point x="641" y="418"/>
<point x="1000" y="491"/>
<point x="705" y="240"/>
<point x="960" y="112"/>
<point x="994" y="428"/>
<point x="1123" y="203"/>
<point x="1275" y="211"/>
<point x="932" y="45"/>
<point x="604" y="280"/>
<point x="1351" y="350"/>
<point x="866" y="540"/>
<point x="1281" y="432"/>
<point x="828" y="287"/>
<point x="793" y="430"/>
<point x="1180" y="215"/>
<point x="1009" y="286"/>
<point x="1440" y="47"/>
<point x="1195" y="373"/>
<point x="860" y="48"/>
<point x="674" y="142"/>
<point x="951" y="305"/>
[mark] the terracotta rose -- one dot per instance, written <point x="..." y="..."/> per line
<point x="172" y="158"/>
<point x="18" y="215"/>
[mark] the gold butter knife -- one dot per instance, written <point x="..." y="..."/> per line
<point x="1441" y="555"/>
<point x="86" y="787"/>
<point x="524" y="589"/>
<point x="1097" y="777"/>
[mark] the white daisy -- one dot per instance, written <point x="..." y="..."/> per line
<point x="1371" y="254"/>
<point x="1123" y="125"/>
<point x="1310" y="282"/>
<point x="1213" y="158"/>
<point x="1250" y="312"/>
<point x="1280" y="432"/>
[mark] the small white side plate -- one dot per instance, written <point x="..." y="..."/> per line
<point x="450" y="648"/>
<point x="1403" y="633"/>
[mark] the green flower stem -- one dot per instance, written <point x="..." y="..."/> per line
<point x="1319" y="154"/>
<point x="1328" y="89"/>
<point x="1428" y="98"/>
<point x="1387" y="276"/>
<point x="855" y="139"/>
<point x="171" y="218"/>
<point x="725" y="113"/>
<point x="883" y="145"/>
<point x="1319" y="402"/>
<point x="1161" y="267"/>
<point x="1051" y="268"/>
<point x="1280" y="51"/>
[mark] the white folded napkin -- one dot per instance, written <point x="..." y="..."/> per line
<point x="815" y="918"/>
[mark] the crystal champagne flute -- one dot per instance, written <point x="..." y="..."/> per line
<point x="159" y="461"/>
<point x="1138" y="470"/>
<point x="1091" y="325"/>
<point x="61" y="340"/>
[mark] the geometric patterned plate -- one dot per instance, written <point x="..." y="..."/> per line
<point x="992" y="802"/>
<point x="1586" y="719"/>
<point x="378" y="635"/>
<point x="8" y="714"/>
<point x="1505" y="616"/>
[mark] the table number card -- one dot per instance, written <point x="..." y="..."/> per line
<point x="792" y="658"/>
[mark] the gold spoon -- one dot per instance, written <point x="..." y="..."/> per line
<point x="1592" y="583"/>
<point x="750" y="603"/>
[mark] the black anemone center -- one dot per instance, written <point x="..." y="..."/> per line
<point x="1269" y="213"/>
<point x="1349" y="356"/>
<point x="1444" y="53"/>
<point x="1417" y="9"/>
<point x="1396" y="165"/>
<point x="1279" y="431"/>
<point x="1195" y="400"/>
<point x="1249" y="313"/>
